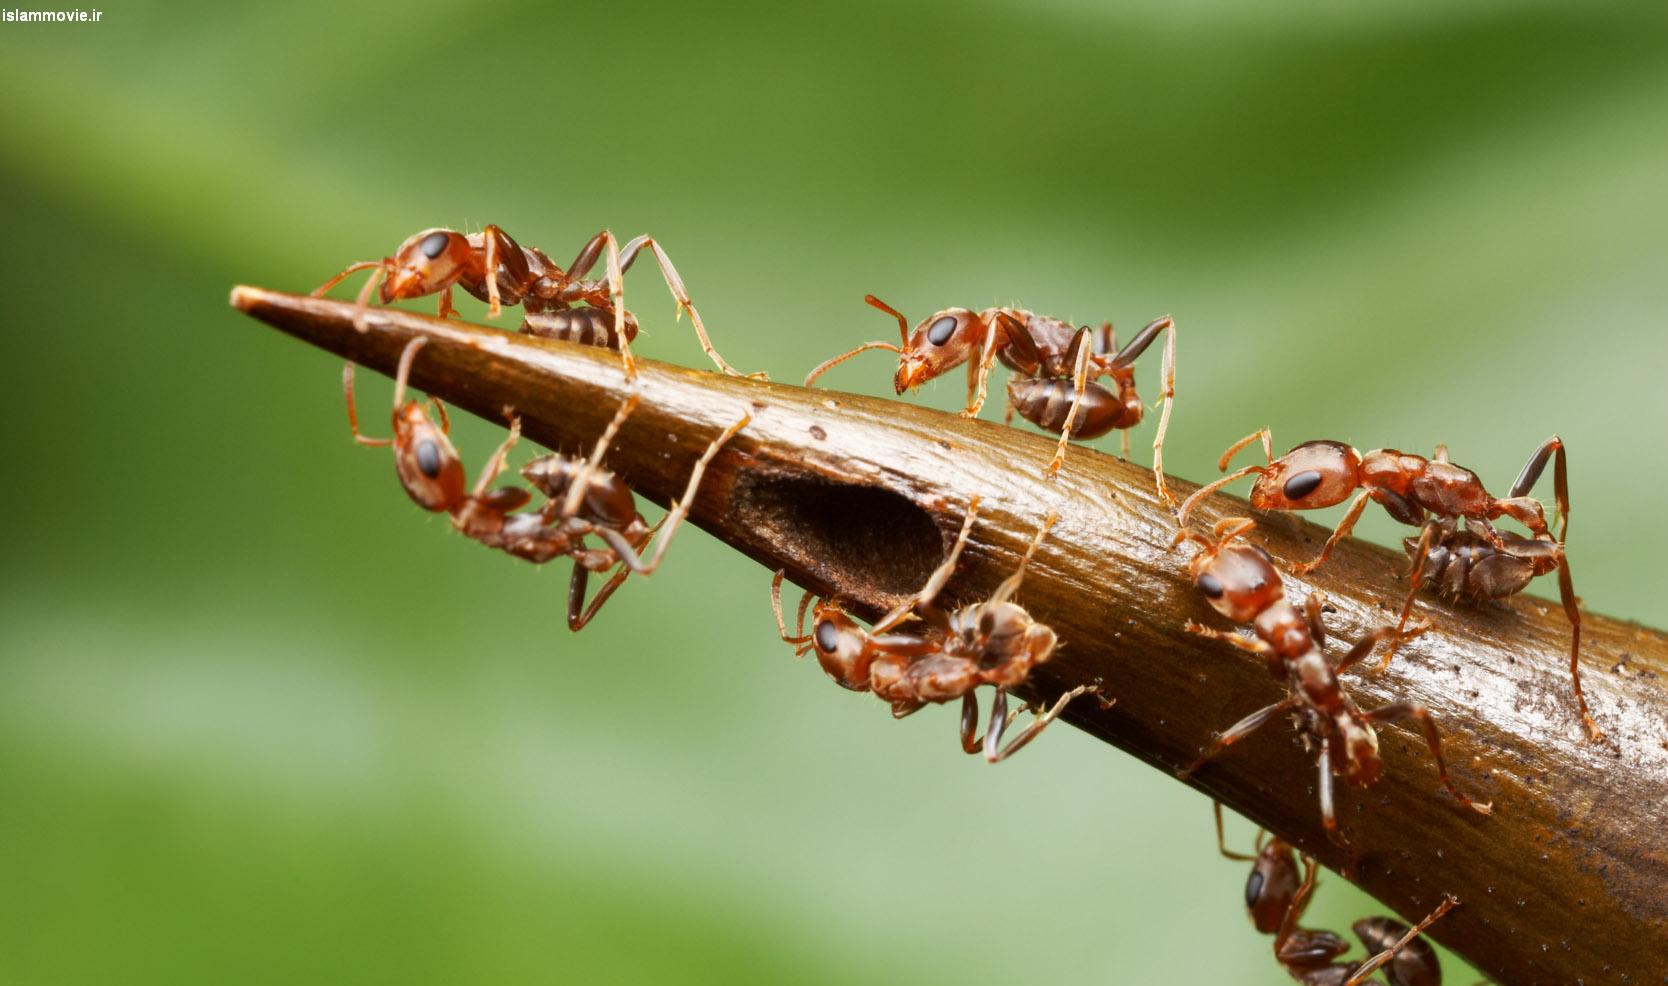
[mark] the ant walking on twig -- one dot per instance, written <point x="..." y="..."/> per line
<point x="995" y="642"/>
<point x="499" y="271"/>
<point x="1474" y="561"/>
<point x="1276" y="899"/>
<point x="585" y="500"/>
<point x="1240" y="582"/>
<point x="1055" y="369"/>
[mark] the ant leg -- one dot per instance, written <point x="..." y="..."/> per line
<point x="582" y="481"/>
<point x="324" y="288"/>
<point x="1372" y="965"/>
<point x="1079" y="383"/>
<point x="1239" y="730"/>
<point x="1526" y="510"/>
<point x="1342" y="531"/>
<point x="1364" y="647"/>
<point x="362" y="304"/>
<point x="1008" y="409"/>
<point x="1123" y="441"/>
<point x="987" y="359"/>
<point x="446" y="309"/>
<point x="674" y="283"/>
<point x="1254" y="645"/>
<point x="1010" y="585"/>
<point x="935" y="581"/>
<point x="781" y="626"/>
<point x="970" y="720"/>
<point x="1415" y="580"/>
<point x="493" y="237"/>
<point x="1168" y="397"/>
<point x="1221" y="844"/>
<point x="1433" y="739"/>
<point x="1299" y="904"/>
<point x="1328" y="804"/>
<point x="576" y="594"/>
<point x="993" y="735"/>
<point x="495" y="465"/>
<point x="680" y="507"/>
<point x="1572" y="610"/>
<point x="1531" y="474"/>
<point x="407" y="355"/>
<point x="1212" y="487"/>
<point x="1234" y="449"/>
<point x="616" y="295"/>
<point x="353" y="412"/>
<point x="1313" y="610"/>
<point x="830" y="364"/>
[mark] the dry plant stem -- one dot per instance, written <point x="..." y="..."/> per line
<point x="1566" y="883"/>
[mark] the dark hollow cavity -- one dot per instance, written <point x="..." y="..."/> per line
<point x="876" y="545"/>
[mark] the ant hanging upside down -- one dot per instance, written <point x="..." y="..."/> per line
<point x="1458" y="546"/>
<point x="1055" y="369"/>
<point x="584" y="499"/>
<point x="499" y="271"/>
<point x="1240" y="582"/>
<point x="1276" y="900"/>
<point x="995" y="642"/>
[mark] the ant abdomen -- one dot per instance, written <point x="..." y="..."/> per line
<point x="585" y="326"/>
<point x="1046" y="402"/>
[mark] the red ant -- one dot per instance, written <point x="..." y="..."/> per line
<point x="1276" y="899"/>
<point x="1240" y="582"/>
<point x="584" y="498"/>
<point x="1054" y="367"/>
<point x="1476" y="561"/>
<point x="995" y="642"/>
<point x="499" y="271"/>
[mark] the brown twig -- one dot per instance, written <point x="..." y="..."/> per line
<point x="1566" y="883"/>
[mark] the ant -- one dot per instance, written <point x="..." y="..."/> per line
<point x="1055" y="368"/>
<point x="995" y="642"/>
<point x="1240" y="582"/>
<point x="499" y="271"/>
<point x="1474" y="561"/>
<point x="584" y="498"/>
<point x="1277" y="898"/>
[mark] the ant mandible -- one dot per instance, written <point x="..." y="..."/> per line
<point x="1276" y="899"/>
<point x="1055" y="367"/>
<point x="1474" y="561"/>
<point x="499" y="271"/>
<point x="584" y="498"/>
<point x="995" y="642"/>
<point x="1240" y="582"/>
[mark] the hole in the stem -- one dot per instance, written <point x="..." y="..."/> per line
<point x="870" y="541"/>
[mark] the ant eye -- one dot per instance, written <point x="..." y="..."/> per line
<point x="940" y="331"/>
<point x="1210" y="585"/>
<point x="1253" y="888"/>
<point x="434" y="245"/>
<point x="428" y="458"/>
<point x="828" y="637"/>
<point x="1302" y="484"/>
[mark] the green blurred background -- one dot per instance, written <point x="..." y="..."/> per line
<point x="262" y="720"/>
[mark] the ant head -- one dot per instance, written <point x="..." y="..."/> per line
<point x="427" y="262"/>
<point x="943" y="341"/>
<point x="1310" y="476"/>
<point x="1272" y="885"/>
<point x="1238" y="580"/>
<point x="428" y="465"/>
<point x="839" y="643"/>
